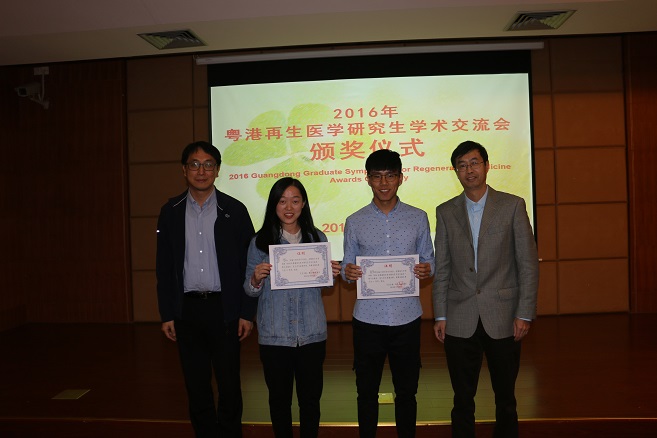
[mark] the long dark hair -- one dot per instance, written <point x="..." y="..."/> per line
<point x="270" y="233"/>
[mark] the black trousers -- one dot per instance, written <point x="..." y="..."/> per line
<point x="207" y="345"/>
<point x="284" y="365"/>
<point x="464" y="360"/>
<point x="401" y="344"/>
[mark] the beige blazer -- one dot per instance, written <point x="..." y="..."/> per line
<point x="505" y="284"/>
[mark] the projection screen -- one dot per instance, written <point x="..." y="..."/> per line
<point x="317" y="120"/>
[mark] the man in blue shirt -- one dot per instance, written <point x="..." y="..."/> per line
<point x="202" y="240"/>
<point x="388" y="326"/>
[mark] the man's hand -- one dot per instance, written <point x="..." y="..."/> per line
<point x="422" y="270"/>
<point x="520" y="328"/>
<point x="439" y="330"/>
<point x="244" y="328"/>
<point x="352" y="272"/>
<point x="169" y="330"/>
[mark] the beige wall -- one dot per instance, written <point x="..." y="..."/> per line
<point x="580" y="159"/>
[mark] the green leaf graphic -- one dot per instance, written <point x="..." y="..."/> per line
<point x="244" y="152"/>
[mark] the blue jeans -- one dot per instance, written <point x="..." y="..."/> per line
<point x="401" y="344"/>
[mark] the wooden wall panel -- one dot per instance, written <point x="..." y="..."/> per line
<point x="158" y="83"/>
<point x="544" y="175"/>
<point x="201" y="124"/>
<point x="585" y="175"/>
<point x="157" y="136"/>
<point x="641" y="102"/>
<point x="547" y="232"/>
<point x="426" y="298"/>
<point x="331" y="299"/>
<point x="543" y="121"/>
<point x="201" y="99"/>
<point x="143" y="237"/>
<point x="13" y="269"/>
<point x="70" y="218"/>
<point x="548" y="290"/>
<point x="584" y="64"/>
<point x="590" y="189"/>
<point x="161" y="95"/>
<point x="589" y="119"/>
<point x="347" y="300"/>
<point x="541" y="70"/>
<point x="200" y="85"/>
<point x="145" y="304"/>
<point x="592" y="231"/>
<point x="593" y="286"/>
<point x="152" y="184"/>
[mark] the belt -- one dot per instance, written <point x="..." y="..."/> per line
<point x="201" y="295"/>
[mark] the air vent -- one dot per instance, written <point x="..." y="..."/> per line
<point x="175" y="39"/>
<point x="538" y="20"/>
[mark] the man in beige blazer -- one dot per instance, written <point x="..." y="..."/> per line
<point x="484" y="289"/>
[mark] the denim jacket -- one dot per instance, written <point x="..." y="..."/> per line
<point x="286" y="317"/>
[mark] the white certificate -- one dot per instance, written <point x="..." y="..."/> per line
<point x="300" y="265"/>
<point x="388" y="277"/>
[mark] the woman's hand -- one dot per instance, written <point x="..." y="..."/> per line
<point x="260" y="272"/>
<point x="335" y="267"/>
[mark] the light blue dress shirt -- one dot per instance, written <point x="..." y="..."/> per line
<point x="201" y="271"/>
<point x="475" y="213"/>
<point x="403" y="231"/>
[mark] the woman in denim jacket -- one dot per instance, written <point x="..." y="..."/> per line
<point x="291" y="322"/>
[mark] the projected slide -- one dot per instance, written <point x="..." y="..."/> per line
<point x="321" y="133"/>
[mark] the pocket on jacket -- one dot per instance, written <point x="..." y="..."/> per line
<point x="456" y="295"/>
<point x="508" y="293"/>
<point x="498" y="229"/>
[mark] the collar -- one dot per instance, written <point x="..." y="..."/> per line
<point x="211" y="202"/>
<point x="476" y="207"/>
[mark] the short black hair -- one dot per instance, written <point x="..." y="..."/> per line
<point x="466" y="147"/>
<point x="205" y="147"/>
<point x="383" y="159"/>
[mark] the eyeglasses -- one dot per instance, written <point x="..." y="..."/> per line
<point x="196" y="165"/>
<point x="474" y="165"/>
<point x="378" y="177"/>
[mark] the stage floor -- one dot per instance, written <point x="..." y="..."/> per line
<point x="593" y="367"/>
